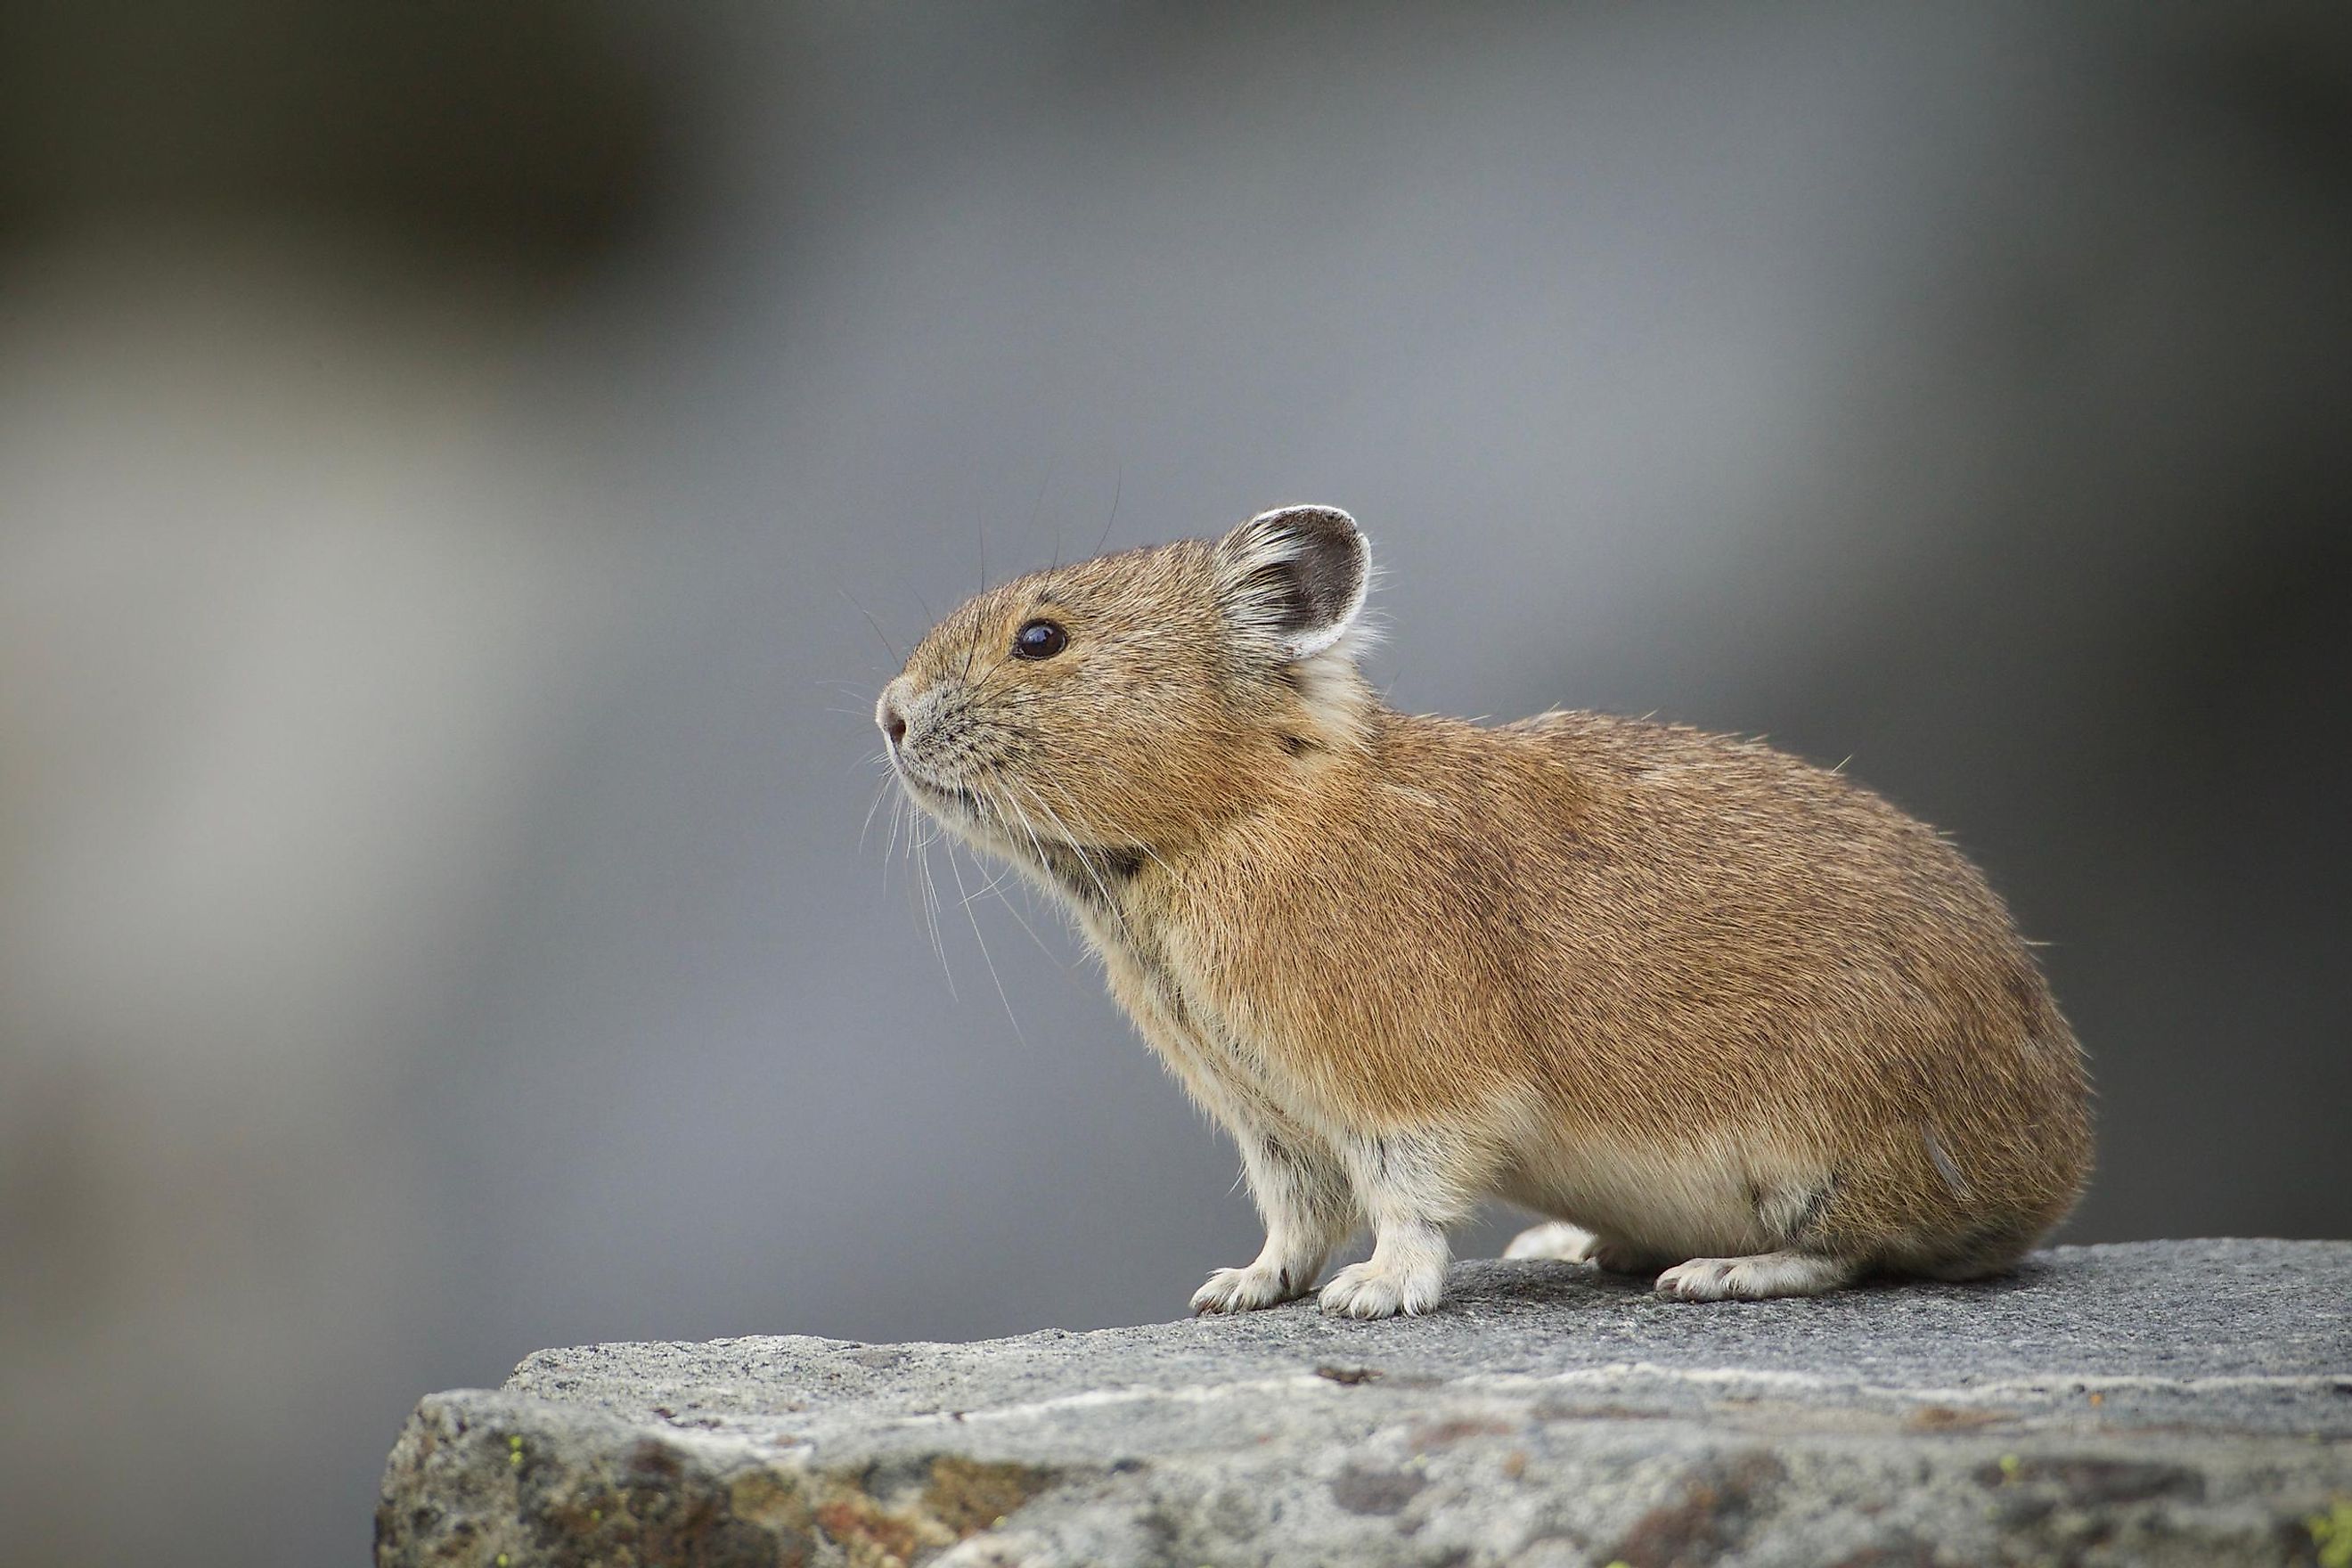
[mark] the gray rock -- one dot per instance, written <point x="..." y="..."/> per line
<point x="2154" y="1403"/>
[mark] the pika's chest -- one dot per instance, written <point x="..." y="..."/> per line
<point x="1155" y="980"/>
<point x="1222" y="1054"/>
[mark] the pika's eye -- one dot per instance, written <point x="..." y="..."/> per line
<point x="1039" y="639"/>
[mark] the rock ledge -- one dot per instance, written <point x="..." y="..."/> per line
<point x="2153" y="1403"/>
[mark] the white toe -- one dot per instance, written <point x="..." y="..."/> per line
<point x="1246" y="1289"/>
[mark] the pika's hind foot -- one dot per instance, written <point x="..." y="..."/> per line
<point x="1246" y="1289"/>
<point x="1754" y="1279"/>
<point x="1557" y="1241"/>
<point x="1566" y="1243"/>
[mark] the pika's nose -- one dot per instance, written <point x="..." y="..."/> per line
<point x="888" y="715"/>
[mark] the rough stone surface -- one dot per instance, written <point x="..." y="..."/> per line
<point x="2158" y="1403"/>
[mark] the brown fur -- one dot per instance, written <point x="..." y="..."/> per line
<point x="1681" y="990"/>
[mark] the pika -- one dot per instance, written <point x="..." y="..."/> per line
<point x="1723" y="1017"/>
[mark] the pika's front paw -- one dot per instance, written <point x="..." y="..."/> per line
<point x="1368" y="1291"/>
<point x="1247" y="1289"/>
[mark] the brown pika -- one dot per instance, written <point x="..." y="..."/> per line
<point x="1724" y="1017"/>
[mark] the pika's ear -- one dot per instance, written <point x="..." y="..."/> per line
<point x="1294" y="578"/>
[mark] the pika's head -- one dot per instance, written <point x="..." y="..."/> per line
<point x="1126" y="703"/>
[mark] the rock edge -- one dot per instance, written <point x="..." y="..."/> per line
<point x="2149" y="1402"/>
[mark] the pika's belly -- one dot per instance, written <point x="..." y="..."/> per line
<point x="1705" y="1192"/>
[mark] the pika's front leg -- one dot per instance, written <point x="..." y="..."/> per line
<point x="1411" y="1187"/>
<point x="1302" y="1193"/>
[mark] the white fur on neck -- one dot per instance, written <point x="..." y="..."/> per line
<point x="1338" y="699"/>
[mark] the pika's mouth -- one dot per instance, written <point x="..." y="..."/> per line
<point x="929" y="791"/>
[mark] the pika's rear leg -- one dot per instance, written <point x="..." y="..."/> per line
<point x="1303" y="1197"/>
<point x="1753" y="1278"/>
<point x="1557" y="1239"/>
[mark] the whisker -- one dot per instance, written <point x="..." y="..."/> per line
<point x="1037" y="845"/>
<point x="888" y="646"/>
<point x="868" y="825"/>
<point x="1038" y="511"/>
<point x="1094" y="828"/>
<point x="985" y="959"/>
<point x="994" y="884"/>
<point x="920" y="850"/>
<point x="897" y="814"/>
<point x="1059" y="962"/>
<point x="1119" y="487"/>
<point x="1085" y="860"/>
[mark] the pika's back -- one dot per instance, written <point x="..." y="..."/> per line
<point x="1718" y="824"/>
<point x="1636" y="892"/>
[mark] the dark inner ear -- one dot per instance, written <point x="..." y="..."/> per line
<point x="1289" y="590"/>
<point x="1322" y="582"/>
<point x="1316" y="582"/>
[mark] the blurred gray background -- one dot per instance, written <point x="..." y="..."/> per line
<point x="448" y="453"/>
